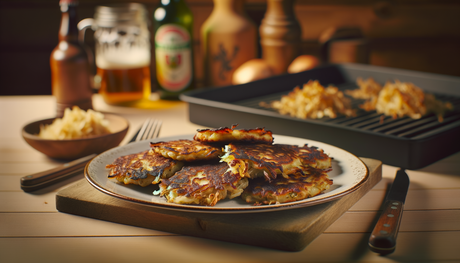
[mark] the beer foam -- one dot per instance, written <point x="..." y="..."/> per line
<point x="123" y="59"/>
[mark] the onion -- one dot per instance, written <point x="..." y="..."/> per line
<point x="252" y="70"/>
<point x="302" y="63"/>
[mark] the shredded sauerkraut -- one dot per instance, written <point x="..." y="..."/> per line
<point x="313" y="101"/>
<point x="76" y="123"/>
<point x="398" y="99"/>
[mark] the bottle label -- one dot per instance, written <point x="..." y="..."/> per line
<point x="173" y="54"/>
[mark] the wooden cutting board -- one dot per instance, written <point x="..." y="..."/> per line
<point x="290" y="230"/>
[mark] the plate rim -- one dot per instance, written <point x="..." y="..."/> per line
<point x="213" y="209"/>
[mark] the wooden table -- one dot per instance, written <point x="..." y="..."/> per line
<point x="32" y="230"/>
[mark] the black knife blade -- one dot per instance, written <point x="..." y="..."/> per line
<point x="383" y="237"/>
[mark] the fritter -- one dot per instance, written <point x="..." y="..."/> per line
<point x="186" y="150"/>
<point x="313" y="157"/>
<point x="226" y="135"/>
<point x="202" y="184"/>
<point x="143" y="168"/>
<point x="257" y="160"/>
<point x="283" y="190"/>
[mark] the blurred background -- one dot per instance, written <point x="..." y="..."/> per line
<point x="422" y="35"/>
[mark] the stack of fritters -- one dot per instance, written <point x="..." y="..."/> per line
<point x="226" y="163"/>
<point x="282" y="173"/>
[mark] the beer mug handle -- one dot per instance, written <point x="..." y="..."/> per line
<point x="83" y="25"/>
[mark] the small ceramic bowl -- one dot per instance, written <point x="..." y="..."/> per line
<point x="76" y="148"/>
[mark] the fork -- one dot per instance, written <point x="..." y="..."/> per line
<point x="149" y="130"/>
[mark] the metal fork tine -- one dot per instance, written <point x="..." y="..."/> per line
<point x="149" y="130"/>
<point x="156" y="130"/>
<point x="142" y="130"/>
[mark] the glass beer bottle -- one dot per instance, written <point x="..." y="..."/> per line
<point x="173" y="25"/>
<point x="70" y="67"/>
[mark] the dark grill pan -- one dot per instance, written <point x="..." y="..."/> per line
<point x="402" y="142"/>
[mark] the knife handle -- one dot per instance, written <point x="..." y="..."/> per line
<point x="42" y="179"/>
<point x="383" y="237"/>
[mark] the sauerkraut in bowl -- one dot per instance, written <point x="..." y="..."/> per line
<point x="75" y="124"/>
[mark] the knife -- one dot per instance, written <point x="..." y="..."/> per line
<point x="46" y="178"/>
<point x="383" y="237"/>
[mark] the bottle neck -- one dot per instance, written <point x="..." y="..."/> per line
<point x="68" y="30"/>
<point x="280" y="8"/>
<point x="234" y="6"/>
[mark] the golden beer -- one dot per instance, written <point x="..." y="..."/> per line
<point x="124" y="85"/>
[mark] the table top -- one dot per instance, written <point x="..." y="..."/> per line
<point x="33" y="230"/>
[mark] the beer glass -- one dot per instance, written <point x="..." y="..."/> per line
<point x="122" y="51"/>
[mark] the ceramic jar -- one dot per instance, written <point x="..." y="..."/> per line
<point x="228" y="39"/>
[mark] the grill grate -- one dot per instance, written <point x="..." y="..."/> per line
<point x="405" y="127"/>
<point x="402" y="142"/>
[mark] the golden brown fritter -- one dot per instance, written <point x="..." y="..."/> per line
<point x="226" y="135"/>
<point x="256" y="160"/>
<point x="186" y="150"/>
<point x="313" y="157"/>
<point x="283" y="190"/>
<point x="203" y="184"/>
<point x="189" y="171"/>
<point x="143" y="168"/>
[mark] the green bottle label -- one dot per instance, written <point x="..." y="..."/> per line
<point x="173" y="53"/>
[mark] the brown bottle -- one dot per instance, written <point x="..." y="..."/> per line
<point x="70" y="68"/>
<point x="280" y="35"/>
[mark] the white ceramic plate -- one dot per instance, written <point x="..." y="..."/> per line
<point x="348" y="174"/>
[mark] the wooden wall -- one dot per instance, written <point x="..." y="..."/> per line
<point x="421" y="35"/>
